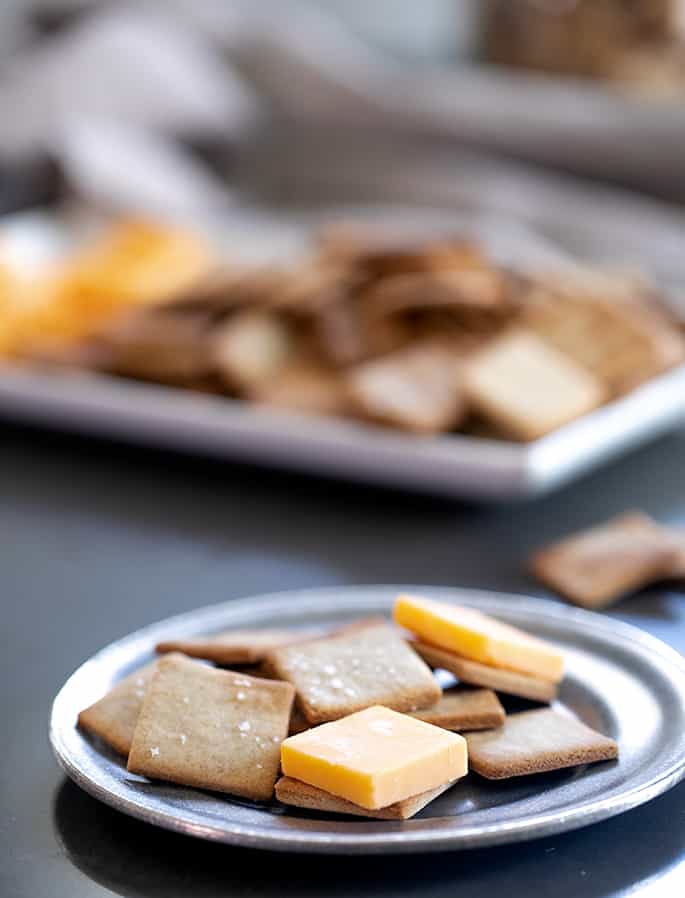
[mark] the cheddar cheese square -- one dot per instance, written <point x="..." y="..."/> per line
<point x="375" y="757"/>
<point x="479" y="637"/>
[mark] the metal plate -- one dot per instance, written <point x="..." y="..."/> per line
<point x="620" y="681"/>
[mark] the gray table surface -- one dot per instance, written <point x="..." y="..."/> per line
<point x="97" y="540"/>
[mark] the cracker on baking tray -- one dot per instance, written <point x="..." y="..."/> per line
<point x="161" y="344"/>
<point x="527" y="387"/>
<point x="457" y="289"/>
<point x="304" y="386"/>
<point x="621" y="339"/>
<point x="417" y="389"/>
<point x="250" y="348"/>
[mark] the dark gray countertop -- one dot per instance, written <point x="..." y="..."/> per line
<point x="97" y="540"/>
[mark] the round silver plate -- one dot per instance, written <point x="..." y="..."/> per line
<point x="620" y="681"/>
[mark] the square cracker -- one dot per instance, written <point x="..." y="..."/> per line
<point x="534" y="742"/>
<point x="416" y="389"/>
<point x="232" y="646"/>
<point x="369" y="665"/>
<point x="304" y="386"/>
<point x="461" y="709"/>
<point x="213" y="729"/>
<point x="597" y="566"/>
<point x="622" y="339"/>
<point x="113" y="717"/>
<point x="301" y="795"/>
<point x="527" y="388"/>
<point x="676" y="567"/>
<point x="458" y="709"/>
<point x="476" y="674"/>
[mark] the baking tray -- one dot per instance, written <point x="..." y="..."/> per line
<point x="451" y="465"/>
<point x="619" y="680"/>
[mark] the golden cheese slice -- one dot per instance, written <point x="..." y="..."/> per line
<point x="476" y="636"/>
<point x="375" y="757"/>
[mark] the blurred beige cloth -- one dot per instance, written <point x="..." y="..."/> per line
<point x="211" y="66"/>
<point x="309" y="110"/>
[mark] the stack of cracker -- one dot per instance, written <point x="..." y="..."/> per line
<point x="354" y="719"/>
<point x="480" y="650"/>
<point x="186" y="722"/>
<point x="352" y="752"/>
<point x="374" y="763"/>
<point x="423" y="333"/>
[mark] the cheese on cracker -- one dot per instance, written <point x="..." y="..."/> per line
<point x="375" y="757"/>
<point x="474" y="635"/>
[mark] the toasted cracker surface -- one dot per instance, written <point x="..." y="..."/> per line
<point x="113" y="717"/>
<point x="596" y="567"/>
<point x="534" y="742"/>
<point x="212" y="729"/>
<point x="462" y="708"/>
<point x="337" y="675"/>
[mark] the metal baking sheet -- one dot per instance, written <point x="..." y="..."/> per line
<point x="450" y="465"/>
<point x="619" y="680"/>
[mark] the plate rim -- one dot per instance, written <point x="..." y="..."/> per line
<point x="539" y="825"/>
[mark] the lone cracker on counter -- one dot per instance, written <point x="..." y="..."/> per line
<point x="598" y="566"/>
